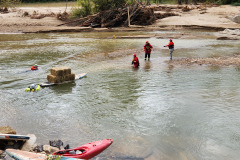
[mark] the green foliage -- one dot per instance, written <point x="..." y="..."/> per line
<point x="101" y="5"/>
<point x="9" y="3"/>
<point x="82" y="9"/>
<point x="236" y="4"/>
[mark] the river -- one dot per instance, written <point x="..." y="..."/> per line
<point x="158" y="111"/>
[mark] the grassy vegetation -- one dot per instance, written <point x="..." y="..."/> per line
<point x="236" y="4"/>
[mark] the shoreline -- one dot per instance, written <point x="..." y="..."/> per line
<point x="217" y="18"/>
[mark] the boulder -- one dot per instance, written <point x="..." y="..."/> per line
<point x="49" y="149"/>
<point x="56" y="143"/>
<point x="30" y="144"/>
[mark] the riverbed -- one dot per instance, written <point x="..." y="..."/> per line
<point x="159" y="111"/>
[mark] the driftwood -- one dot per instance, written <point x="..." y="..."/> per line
<point x="135" y="12"/>
<point x="139" y="15"/>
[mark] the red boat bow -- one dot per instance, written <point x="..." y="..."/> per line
<point x="86" y="151"/>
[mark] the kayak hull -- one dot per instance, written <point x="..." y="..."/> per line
<point x="12" y="141"/>
<point x="86" y="151"/>
<point x="80" y="76"/>
<point x="14" y="137"/>
<point x="24" y="155"/>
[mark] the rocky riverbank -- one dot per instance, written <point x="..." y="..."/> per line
<point x="31" y="145"/>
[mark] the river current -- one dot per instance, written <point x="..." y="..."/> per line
<point x="159" y="111"/>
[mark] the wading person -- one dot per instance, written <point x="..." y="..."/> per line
<point x="147" y="48"/>
<point x="171" y="48"/>
<point x="135" y="61"/>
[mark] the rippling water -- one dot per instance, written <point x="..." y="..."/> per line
<point x="159" y="111"/>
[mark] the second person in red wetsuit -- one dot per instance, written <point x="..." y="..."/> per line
<point x="171" y="47"/>
<point x="147" y="48"/>
<point x="135" y="61"/>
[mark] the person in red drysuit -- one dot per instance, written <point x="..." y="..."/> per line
<point x="147" y="48"/>
<point x="35" y="67"/>
<point x="171" y="47"/>
<point x="135" y="61"/>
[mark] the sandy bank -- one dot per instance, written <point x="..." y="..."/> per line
<point x="217" y="18"/>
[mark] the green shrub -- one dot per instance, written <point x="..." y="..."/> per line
<point x="77" y="12"/>
<point x="82" y="9"/>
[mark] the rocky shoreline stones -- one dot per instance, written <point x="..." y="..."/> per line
<point x="31" y="145"/>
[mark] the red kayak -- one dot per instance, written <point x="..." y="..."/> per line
<point x="86" y="151"/>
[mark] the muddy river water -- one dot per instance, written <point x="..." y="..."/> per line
<point x="158" y="111"/>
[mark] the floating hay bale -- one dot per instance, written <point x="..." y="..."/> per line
<point x="60" y="74"/>
<point x="67" y="71"/>
<point x="55" y="79"/>
<point x="71" y="77"/>
<point x="60" y="71"/>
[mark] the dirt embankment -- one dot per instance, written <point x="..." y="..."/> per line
<point x="43" y="19"/>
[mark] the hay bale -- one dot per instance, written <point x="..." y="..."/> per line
<point x="66" y="78"/>
<point x="51" y="78"/>
<point x="55" y="79"/>
<point x="60" y="74"/>
<point x="56" y="72"/>
<point x="60" y="79"/>
<point x="72" y="77"/>
<point x="60" y="71"/>
<point x="66" y="71"/>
